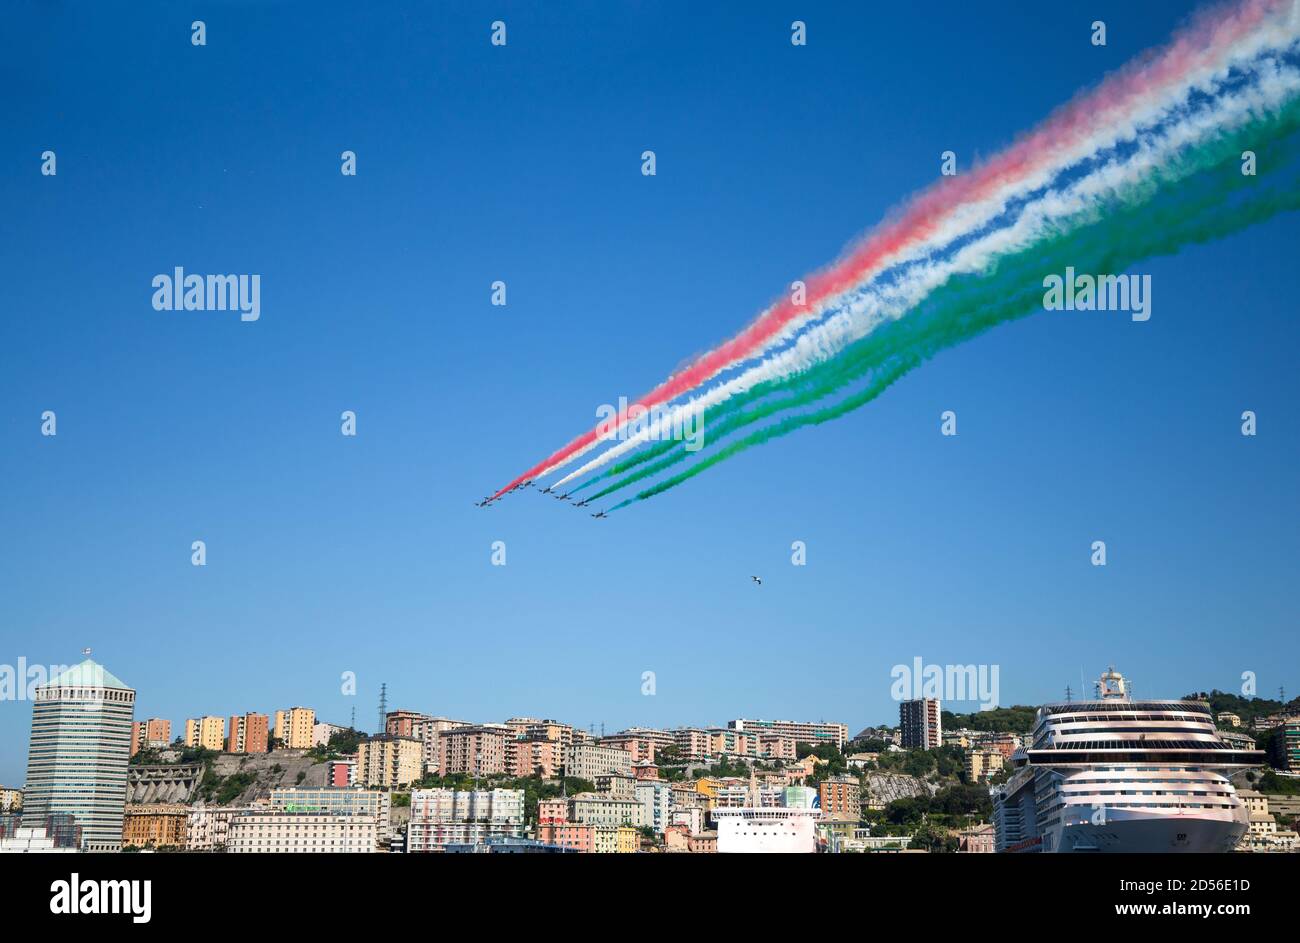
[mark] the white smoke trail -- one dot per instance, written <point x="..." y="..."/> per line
<point x="1111" y="127"/>
<point x="864" y="308"/>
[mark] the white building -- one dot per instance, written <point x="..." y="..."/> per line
<point x="29" y="841"/>
<point x="441" y="817"/>
<point x="656" y="799"/>
<point x="207" y="827"/>
<point x="301" y="833"/>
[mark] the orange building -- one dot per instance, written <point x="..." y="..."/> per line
<point x="248" y="734"/>
<point x="154" y="826"/>
<point x="841" y="799"/>
<point x="150" y="734"/>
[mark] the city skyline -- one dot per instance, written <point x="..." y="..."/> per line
<point x="328" y="554"/>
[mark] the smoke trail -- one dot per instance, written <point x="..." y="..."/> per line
<point x="1146" y="173"/>
<point x="1217" y="40"/>
<point x="1133" y="233"/>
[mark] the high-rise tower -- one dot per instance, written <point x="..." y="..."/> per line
<point x="78" y="754"/>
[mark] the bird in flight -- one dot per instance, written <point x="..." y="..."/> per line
<point x="757" y="580"/>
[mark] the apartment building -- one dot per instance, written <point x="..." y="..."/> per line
<point x="840" y="798"/>
<point x="693" y="744"/>
<point x="11" y="800"/>
<point x="207" y="827"/>
<point x="389" y="761"/>
<point x="920" y="723"/>
<point x="577" y="836"/>
<point x="594" y="808"/>
<point x="810" y="732"/>
<point x="321" y="733"/>
<point x="248" y="734"/>
<point x="207" y="732"/>
<point x="589" y="760"/>
<point x="655" y="798"/>
<point x="479" y="750"/>
<point x="429" y="732"/>
<point x="441" y="817"/>
<point x="534" y="757"/>
<point x="981" y="764"/>
<point x="616" y="785"/>
<point x="152" y="734"/>
<point x="301" y="833"/>
<point x="295" y="728"/>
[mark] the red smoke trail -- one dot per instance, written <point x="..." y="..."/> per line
<point x="1212" y="31"/>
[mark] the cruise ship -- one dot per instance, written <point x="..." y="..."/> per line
<point x="1121" y="775"/>
<point x="790" y="828"/>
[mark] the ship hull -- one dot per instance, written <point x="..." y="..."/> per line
<point x="1128" y="832"/>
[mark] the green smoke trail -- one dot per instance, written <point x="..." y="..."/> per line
<point x="1152" y="219"/>
<point x="851" y="364"/>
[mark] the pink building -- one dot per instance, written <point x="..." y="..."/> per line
<point x="575" y="835"/>
<point x="552" y="811"/>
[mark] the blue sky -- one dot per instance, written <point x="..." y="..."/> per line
<point x="329" y="554"/>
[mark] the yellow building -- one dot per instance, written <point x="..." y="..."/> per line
<point x="628" y="840"/>
<point x="389" y="761"/>
<point x="294" y="727"/>
<point x="11" y="800"/>
<point x="981" y="764"/>
<point x="154" y="826"/>
<point x="206" y="732"/>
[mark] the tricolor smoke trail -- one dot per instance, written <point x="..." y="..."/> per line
<point x="1146" y="163"/>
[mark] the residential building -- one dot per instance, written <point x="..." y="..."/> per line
<point x="1225" y="719"/>
<point x="589" y="760"/>
<point x="301" y="833"/>
<point x="441" y="817"/>
<point x="479" y="750"/>
<point x="920" y="723"/>
<point x="152" y="734"/>
<point x="840" y="798"/>
<point x="981" y="764"/>
<point x="207" y="732"/>
<point x="575" y="835"/>
<point x="248" y="734"/>
<point x="534" y="757"/>
<point x="11" y="800"/>
<point x="978" y="839"/>
<point x="79" y="751"/>
<point x="655" y="798"/>
<point x="154" y="826"/>
<point x="208" y="827"/>
<point x="594" y="808"/>
<point x="693" y="744"/>
<point x="1287" y="745"/>
<point x="321" y="733"/>
<point x="810" y="732"/>
<point x="388" y="761"/>
<point x="341" y="773"/>
<point x="616" y="785"/>
<point x="642" y="742"/>
<point x="405" y="723"/>
<point x="552" y="810"/>
<point x="429" y="732"/>
<point x="295" y="728"/>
